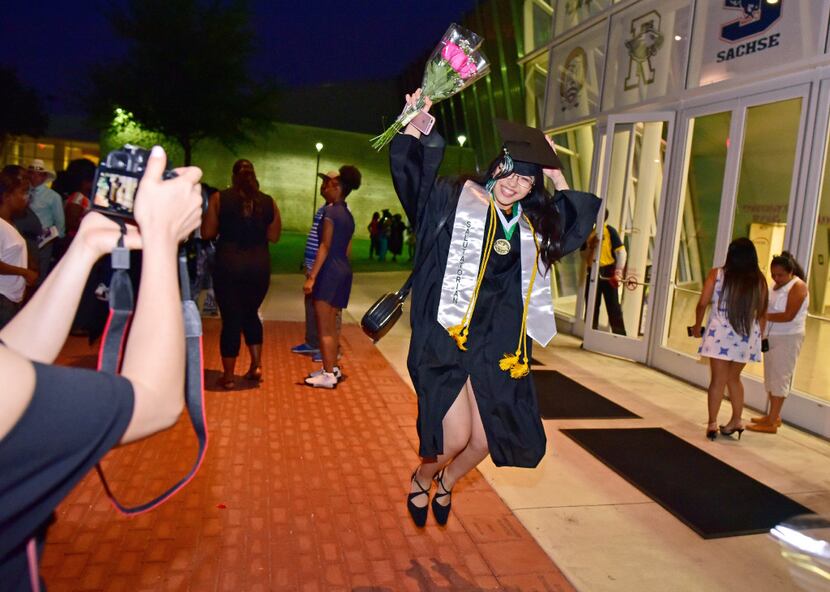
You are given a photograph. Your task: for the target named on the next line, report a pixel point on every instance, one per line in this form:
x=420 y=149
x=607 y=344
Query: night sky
x=52 y=43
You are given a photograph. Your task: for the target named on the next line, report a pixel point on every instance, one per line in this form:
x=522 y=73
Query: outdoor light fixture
x=319 y=146
x=677 y=37
x=462 y=139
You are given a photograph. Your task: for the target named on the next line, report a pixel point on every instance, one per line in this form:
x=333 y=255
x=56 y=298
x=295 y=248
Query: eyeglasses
x=517 y=179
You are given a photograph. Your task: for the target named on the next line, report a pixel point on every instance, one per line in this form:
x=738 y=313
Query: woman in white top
x=786 y=317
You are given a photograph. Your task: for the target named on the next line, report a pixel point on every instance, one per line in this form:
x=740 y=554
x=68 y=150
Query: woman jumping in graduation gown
x=477 y=295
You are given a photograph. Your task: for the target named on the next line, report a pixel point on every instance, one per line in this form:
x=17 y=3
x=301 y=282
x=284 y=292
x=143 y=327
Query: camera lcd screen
x=115 y=192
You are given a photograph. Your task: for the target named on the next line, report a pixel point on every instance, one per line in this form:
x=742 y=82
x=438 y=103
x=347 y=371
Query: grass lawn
x=287 y=256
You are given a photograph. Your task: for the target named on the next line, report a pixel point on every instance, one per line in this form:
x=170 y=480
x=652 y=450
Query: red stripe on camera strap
x=109 y=360
x=111 y=357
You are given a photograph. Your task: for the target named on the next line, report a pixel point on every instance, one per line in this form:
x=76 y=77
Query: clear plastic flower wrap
x=454 y=64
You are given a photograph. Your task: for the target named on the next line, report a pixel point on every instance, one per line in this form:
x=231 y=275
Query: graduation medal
x=502 y=245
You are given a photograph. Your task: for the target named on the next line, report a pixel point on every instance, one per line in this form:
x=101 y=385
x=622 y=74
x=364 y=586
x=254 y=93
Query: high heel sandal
x=727 y=432
x=419 y=514
x=711 y=434
x=440 y=511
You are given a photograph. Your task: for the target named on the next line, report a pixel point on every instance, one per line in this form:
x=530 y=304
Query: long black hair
x=744 y=286
x=788 y=263
x=538 y=205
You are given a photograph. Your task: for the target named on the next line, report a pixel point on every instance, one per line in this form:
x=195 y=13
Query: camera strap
x=121 y=302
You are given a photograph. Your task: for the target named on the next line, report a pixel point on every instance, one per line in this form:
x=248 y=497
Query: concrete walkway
x=304 y=490
x=301 y=489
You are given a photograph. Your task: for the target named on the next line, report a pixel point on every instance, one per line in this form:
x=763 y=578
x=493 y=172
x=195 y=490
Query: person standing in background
x=311 y=345
x=612 y=260
x=384 y=230
x=14 y=273
x=48 y=207
x=374 y=235
x=396 y=230
x=79 y=176
x=27 y=223
x=789 y=300
x=245 y=220
x=329 y=280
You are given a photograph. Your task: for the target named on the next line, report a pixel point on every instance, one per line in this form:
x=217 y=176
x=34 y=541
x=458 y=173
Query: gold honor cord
x=511 y=362
x=517 y=364
x=459 y=332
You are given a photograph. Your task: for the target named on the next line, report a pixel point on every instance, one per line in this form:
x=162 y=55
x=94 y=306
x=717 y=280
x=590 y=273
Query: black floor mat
x=707 y=495
x=562 y=398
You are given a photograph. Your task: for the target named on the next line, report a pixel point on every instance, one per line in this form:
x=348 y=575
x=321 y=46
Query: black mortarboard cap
x=527 y=144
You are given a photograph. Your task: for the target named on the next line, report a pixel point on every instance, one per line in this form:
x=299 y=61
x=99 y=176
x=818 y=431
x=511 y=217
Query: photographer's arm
x=166 y=211
x=39 y=330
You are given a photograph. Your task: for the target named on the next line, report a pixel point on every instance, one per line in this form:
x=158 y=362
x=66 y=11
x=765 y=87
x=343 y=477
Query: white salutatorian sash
x=464 y=259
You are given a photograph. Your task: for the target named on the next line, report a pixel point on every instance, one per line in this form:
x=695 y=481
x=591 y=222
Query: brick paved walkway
x=301 y=490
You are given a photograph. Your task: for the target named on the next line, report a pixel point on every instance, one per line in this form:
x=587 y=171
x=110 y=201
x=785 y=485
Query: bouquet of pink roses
x=455 y=64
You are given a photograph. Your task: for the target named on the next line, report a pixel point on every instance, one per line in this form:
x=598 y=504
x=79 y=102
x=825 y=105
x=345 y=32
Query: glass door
x=738 y=177
x=696 y=204
x=575 y=147
x=622 y=251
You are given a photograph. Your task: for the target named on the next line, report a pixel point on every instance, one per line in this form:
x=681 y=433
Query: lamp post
x=319 y=146
x=462 y=139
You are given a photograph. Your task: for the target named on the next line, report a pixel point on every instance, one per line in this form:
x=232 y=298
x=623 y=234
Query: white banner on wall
x=734 y=37
x=574 y=77
x=647 y=52
x=569 y=13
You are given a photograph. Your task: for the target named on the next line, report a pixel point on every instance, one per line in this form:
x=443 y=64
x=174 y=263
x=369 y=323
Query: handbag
x=387 y=309
x=385 y=312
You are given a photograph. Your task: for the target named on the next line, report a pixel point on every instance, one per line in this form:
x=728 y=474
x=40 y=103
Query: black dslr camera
x=116 y=181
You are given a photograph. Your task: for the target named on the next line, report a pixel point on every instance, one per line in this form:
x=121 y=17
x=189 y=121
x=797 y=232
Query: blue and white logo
x=756 y=17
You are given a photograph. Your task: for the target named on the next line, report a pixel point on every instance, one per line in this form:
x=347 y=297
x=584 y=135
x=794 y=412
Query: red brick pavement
x=301 y=490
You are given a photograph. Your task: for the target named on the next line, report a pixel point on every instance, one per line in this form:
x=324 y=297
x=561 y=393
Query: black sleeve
x=414 y=164
x=578 y=212
x=74 y=418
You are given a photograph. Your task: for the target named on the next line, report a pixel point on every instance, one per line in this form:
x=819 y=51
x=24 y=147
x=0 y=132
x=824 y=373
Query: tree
x=21 y=111
x=185 y=74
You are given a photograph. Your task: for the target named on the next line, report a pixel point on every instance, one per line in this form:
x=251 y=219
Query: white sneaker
x=324 y=380
x=337 y=373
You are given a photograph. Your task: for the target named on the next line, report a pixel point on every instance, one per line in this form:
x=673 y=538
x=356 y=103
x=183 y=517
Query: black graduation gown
x=508 y=407
x=439 y=369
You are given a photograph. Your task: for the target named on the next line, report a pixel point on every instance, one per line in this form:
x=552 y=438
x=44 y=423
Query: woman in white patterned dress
x=737 y=293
